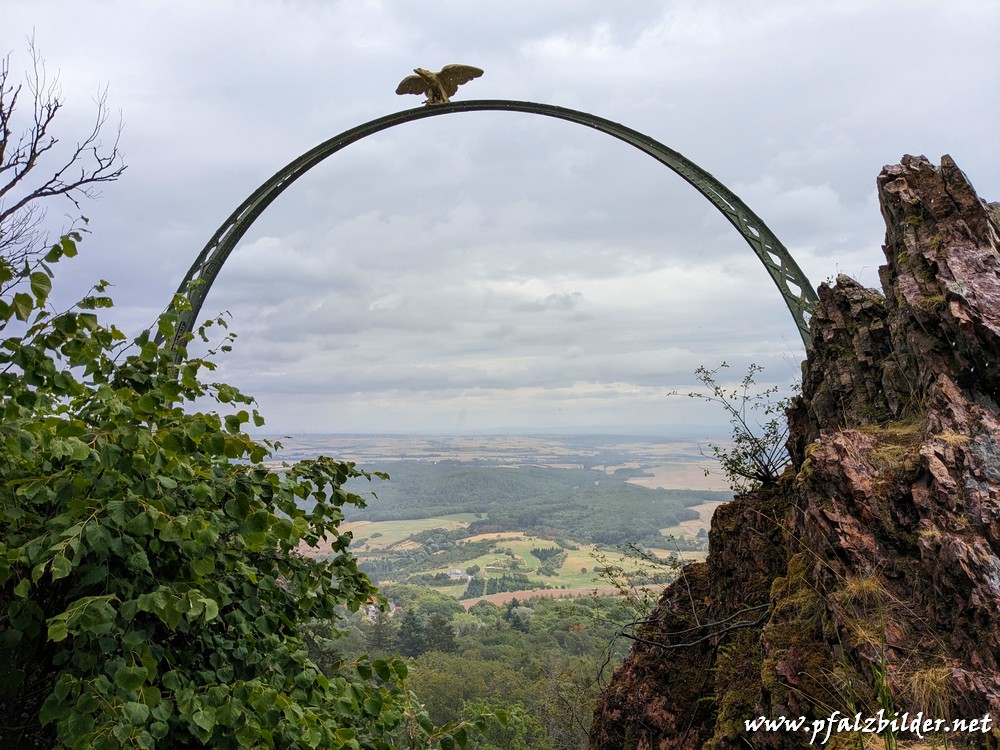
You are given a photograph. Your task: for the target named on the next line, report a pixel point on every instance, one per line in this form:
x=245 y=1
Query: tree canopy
x=152 y=592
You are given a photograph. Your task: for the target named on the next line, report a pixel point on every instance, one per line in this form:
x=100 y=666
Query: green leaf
x=248 y=735
x=53 y=709
x=364 y=670
x=136 y=712
x=172 y=681
x=138 y=562
x=399 y=666
x=135 y=638
x=165 y=327
x=61 y=567
x=23 y=305
x=204 y=718
x=203 y=566
x=58 y=630
x=130 y=678
x=68 y=246
x=79 y=723
x=79 y=450
x=382 y=670
x=41 y=285
x=211 y=610
x=259 y=521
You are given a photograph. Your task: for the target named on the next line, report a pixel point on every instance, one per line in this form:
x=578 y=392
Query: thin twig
x=734 y=626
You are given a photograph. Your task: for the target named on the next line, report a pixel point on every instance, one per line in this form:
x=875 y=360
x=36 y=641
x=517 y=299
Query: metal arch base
x=795 y=288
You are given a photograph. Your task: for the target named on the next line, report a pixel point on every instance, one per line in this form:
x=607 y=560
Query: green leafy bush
x=151 y=589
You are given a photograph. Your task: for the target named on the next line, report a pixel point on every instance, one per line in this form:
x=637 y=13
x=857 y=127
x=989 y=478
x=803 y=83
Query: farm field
x=372 y=535
x=490 y=516
x=509 y=552
x=690 y=528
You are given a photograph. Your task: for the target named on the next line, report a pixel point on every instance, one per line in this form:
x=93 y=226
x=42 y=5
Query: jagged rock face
x=872 y=568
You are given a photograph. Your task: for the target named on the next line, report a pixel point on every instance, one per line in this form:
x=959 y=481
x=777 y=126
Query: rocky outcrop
x=868 y=577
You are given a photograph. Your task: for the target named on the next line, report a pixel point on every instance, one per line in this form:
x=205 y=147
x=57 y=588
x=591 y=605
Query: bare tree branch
x=714 y=634
x=24 y=153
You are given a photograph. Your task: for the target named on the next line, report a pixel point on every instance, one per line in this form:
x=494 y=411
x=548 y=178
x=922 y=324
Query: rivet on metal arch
x=795 y=288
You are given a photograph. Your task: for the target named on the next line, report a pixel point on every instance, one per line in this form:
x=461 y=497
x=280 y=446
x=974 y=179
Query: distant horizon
x=672 y=462
x=678 y=432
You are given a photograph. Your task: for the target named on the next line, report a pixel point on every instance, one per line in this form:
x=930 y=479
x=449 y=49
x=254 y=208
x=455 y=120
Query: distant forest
x=582 y=504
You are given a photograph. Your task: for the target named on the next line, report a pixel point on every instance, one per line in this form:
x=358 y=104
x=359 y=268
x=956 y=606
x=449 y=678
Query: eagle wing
x=412 y=85
x=453 y=76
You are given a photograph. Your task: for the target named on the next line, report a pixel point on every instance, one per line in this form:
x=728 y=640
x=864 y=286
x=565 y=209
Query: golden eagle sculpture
x=438 y=87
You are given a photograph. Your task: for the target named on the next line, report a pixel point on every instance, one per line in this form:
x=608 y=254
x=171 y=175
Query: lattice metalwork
x=795 y=288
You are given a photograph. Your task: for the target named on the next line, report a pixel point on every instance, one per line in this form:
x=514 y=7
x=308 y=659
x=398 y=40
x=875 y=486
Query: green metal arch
x=795 y=288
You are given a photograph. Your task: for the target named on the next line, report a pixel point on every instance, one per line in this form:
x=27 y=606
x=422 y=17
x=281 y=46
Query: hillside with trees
x=539 y=665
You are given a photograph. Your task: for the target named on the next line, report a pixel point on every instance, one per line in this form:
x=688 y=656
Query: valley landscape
x=497 y=517
x=512 y=567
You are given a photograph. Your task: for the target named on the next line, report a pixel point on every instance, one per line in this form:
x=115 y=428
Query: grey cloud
x=560 y=302
x=402 y=283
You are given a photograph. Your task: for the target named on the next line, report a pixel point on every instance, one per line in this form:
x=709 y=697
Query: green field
x=511 y=552
x=372 y=534
x=434 y=521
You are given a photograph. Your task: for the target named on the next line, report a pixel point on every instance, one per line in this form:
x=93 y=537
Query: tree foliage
x=411 y=639
x=440 y=635
x=151 y=589
x=533 y=669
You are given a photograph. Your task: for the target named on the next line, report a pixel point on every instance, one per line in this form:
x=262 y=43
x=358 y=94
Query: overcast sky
x=497 y=271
